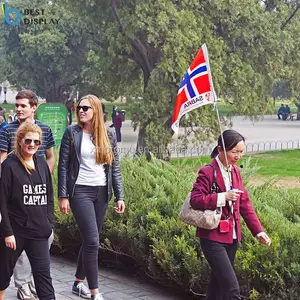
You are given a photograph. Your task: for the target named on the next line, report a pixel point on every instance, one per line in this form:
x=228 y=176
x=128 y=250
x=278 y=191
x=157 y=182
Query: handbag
x=207 y=219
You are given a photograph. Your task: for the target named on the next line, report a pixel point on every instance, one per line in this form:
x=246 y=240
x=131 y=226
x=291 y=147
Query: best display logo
x=6 y=11
x=14 y=16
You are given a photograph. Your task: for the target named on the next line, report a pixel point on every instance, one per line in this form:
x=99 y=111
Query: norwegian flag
x=195 y=90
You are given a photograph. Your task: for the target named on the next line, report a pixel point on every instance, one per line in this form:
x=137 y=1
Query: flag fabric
x=196 y=89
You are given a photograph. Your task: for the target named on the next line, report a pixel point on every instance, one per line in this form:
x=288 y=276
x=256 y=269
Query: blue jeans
x=89 y=205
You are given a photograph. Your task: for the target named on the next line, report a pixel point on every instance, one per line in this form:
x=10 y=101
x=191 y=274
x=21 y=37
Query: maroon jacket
x=201 y=198
x=117 y=121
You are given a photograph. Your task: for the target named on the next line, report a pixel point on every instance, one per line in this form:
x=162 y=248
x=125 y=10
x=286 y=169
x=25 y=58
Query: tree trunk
x=56 y=95
x=141 y=146
x=298 y=112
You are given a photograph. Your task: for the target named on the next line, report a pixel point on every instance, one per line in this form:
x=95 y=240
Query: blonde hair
x=104 y=153
x=21 y=132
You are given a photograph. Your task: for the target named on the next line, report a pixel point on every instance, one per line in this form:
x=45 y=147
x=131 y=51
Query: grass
x=224 y=109
x=283 y=163
x=108 y=109
x=120 y=106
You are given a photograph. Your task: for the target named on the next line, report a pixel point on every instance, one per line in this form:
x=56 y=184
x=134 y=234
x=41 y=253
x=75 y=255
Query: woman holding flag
x=220 y=245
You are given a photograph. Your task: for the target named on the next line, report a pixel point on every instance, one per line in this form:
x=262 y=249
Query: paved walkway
x=113 y=284
x=267 y=133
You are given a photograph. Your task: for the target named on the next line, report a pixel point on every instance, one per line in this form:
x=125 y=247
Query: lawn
x=224 y=109
x=284 y=163
x=120 y=106
x=108 y=109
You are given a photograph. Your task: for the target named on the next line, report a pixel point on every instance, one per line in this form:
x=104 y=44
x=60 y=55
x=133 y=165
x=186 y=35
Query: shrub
x=168 y=251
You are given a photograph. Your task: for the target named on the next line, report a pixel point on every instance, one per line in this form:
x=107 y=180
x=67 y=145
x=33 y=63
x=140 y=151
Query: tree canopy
x=46 y=58
x=157 y=40
x=142 y=49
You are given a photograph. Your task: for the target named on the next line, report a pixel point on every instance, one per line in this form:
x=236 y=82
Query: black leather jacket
x=69 y=162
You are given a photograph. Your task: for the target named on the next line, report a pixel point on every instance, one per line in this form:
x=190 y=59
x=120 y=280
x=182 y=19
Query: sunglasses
x=85 y=108
x=29 y=142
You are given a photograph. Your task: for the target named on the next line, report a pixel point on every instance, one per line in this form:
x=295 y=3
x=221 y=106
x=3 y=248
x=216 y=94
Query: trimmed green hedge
x=168 y=251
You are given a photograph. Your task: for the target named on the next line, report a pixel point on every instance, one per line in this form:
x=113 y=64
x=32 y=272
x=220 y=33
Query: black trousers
x=223 y=284
x=89 y=205
x=39 y=257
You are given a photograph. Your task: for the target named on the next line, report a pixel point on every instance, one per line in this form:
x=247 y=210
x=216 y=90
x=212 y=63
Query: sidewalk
x=267 y=133
x=113 y=284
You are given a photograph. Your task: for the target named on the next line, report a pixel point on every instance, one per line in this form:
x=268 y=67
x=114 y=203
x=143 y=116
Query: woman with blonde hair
x=88 y=170
x=26 y=205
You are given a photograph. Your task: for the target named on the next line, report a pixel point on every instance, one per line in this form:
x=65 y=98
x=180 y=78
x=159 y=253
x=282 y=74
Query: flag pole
x=222 y=138
x=205 y=51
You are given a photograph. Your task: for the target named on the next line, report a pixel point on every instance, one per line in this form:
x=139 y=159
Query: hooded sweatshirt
x=26 y=200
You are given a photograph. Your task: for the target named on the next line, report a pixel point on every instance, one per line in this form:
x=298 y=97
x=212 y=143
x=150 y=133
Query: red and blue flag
x=195 y=90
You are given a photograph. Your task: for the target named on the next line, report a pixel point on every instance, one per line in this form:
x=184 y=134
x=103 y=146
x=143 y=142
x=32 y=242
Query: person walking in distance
x=118 y=124
x=88 y=170
x=26 y=105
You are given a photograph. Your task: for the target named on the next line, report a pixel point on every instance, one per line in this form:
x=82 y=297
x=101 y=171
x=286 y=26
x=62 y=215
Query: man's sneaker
x=32 y=288
x=97 y=297
x=24 y=293
x=81 y=290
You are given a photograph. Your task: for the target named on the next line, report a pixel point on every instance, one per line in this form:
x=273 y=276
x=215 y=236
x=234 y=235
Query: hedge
x=168 y=251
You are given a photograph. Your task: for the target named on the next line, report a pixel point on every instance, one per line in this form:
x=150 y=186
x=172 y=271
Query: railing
x=197 y=151
x=271 y=145
x=250 y=148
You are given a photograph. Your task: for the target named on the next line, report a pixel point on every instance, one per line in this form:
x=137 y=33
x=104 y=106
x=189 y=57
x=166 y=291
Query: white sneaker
x=24 y=293
x=32 y=288
x=97 y=297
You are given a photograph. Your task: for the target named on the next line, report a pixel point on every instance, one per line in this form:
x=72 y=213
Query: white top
x=221 y=196
x=90 y=173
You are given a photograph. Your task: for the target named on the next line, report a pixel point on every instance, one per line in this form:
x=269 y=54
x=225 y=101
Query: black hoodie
x=26 y=200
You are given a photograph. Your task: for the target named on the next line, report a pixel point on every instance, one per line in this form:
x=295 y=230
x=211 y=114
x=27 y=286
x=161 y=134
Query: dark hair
x=231 y=139
x=30 y=95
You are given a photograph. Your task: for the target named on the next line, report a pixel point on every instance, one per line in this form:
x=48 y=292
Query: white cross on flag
x=195 y=90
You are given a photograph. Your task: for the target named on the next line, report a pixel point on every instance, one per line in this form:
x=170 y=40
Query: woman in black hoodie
x=26 y=205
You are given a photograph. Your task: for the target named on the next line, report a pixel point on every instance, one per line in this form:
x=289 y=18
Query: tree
x=46 y=58
x=156 y=40
x=291 y=40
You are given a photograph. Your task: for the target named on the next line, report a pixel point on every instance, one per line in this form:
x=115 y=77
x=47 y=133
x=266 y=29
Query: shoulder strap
x=214 y=187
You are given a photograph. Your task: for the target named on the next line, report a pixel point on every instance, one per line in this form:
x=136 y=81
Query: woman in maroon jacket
x=220 y=245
